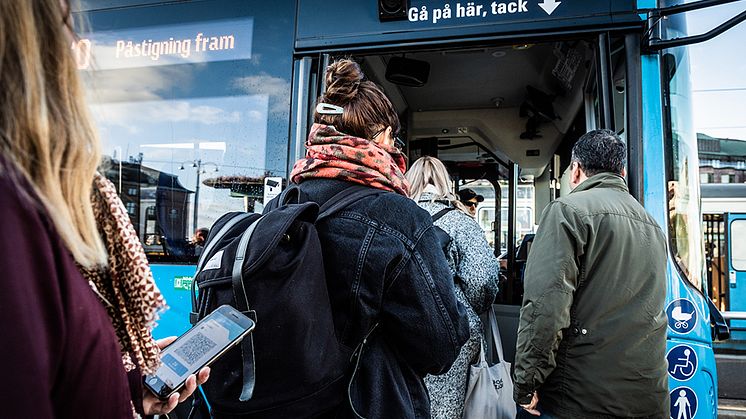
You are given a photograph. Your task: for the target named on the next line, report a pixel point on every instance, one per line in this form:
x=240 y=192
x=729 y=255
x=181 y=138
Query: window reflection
x=190 y=133
x=684 y=216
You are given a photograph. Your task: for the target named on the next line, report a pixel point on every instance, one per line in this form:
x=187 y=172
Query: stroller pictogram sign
x=682 y=315
x=682 y=362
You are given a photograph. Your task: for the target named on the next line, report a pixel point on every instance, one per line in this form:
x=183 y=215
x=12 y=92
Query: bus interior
x=504 y=119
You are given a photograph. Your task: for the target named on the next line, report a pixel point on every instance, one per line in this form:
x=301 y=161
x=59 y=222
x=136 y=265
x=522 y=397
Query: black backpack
x=270 y=267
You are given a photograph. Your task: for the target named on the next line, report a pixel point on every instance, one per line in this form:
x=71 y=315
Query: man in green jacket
x=592 y=334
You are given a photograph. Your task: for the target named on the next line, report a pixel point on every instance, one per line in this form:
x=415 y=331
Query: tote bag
x=489 y=393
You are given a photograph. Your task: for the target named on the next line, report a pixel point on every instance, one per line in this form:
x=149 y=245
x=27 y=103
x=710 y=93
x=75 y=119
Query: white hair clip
x=327 y=109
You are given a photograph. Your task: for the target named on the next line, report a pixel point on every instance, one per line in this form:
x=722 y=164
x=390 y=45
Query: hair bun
x=343 y=79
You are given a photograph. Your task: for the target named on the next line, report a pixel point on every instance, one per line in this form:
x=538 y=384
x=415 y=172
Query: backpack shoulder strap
x=194 y=315
x=242 y=304
x=441 y=213
x=215 y=239
x=344 y=198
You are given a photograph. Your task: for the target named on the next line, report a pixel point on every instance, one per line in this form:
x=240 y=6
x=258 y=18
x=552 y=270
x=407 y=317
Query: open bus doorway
x=503 y=119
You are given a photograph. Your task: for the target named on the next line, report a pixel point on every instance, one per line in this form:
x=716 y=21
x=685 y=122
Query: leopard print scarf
x=126 y=286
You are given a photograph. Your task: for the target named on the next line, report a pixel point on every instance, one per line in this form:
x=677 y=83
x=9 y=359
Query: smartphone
x=210 y=338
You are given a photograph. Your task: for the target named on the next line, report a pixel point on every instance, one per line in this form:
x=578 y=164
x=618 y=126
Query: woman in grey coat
x=475 y=268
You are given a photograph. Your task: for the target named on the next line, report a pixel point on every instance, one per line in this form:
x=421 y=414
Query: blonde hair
x=45 y=129
x=431 y=171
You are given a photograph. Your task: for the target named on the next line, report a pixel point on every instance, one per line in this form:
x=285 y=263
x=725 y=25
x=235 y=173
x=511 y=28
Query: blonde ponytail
x=47 y=131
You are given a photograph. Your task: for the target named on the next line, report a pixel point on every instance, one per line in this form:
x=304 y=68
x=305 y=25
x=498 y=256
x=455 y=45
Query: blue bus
x=204 y=105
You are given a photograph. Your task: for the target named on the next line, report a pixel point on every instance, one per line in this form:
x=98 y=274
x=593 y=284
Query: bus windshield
x=683 y=163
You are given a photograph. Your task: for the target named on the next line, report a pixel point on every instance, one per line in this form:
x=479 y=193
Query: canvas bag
x=489 y=393
x=270 y=267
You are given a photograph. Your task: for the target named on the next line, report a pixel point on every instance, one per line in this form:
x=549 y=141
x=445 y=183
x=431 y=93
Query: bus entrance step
x=731 y=409
x=730 y=376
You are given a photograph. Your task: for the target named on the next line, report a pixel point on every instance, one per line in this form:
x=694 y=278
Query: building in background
x=157 y=203
x=721 y=160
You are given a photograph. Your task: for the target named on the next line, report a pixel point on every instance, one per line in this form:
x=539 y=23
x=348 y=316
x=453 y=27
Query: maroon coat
x=60 y=356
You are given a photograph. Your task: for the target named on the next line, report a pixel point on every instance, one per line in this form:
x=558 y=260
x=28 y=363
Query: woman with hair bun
x=388 y=280
x=473 y=265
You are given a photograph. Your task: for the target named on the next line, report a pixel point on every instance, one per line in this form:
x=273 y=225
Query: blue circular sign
x=683 y=403
x=682 y=362
x=682 y=315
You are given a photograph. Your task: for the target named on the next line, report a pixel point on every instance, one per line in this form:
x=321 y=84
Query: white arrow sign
x=550 y=6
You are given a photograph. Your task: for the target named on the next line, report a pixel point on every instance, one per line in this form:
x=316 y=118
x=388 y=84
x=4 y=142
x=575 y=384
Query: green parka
x=592 y=334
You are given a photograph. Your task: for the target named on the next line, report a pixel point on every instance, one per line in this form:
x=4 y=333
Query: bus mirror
x=669 y=64
x=720 y=329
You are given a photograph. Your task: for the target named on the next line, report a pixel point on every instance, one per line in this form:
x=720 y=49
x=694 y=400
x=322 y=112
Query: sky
x=718 y=71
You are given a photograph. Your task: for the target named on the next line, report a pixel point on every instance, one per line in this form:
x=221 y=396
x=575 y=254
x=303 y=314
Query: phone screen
x=196 y=348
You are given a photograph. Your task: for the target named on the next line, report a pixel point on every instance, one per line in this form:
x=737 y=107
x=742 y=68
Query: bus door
x=671 y=195
x=502 y=116
x=736 y=263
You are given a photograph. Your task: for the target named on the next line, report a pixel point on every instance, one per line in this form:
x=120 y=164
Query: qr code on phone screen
x=193 y=349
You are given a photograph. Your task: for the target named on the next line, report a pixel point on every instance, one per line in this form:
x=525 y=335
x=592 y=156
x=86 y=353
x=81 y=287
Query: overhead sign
x=471 y=9
x=549 y=6
x=358 y=22
x=682 y=316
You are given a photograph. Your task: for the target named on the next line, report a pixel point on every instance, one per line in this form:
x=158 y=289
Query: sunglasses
x=398 y=143
x=471 y=204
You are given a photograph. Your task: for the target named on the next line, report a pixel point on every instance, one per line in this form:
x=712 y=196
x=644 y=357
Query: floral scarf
x=125 y=286
x=334 y=155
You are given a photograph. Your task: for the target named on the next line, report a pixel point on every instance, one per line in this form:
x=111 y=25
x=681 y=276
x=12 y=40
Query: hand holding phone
x=152 y=405
x=198 y=347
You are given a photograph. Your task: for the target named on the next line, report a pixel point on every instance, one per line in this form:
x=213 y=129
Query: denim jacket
x=385 y=265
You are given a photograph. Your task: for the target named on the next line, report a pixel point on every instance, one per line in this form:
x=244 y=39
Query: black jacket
x=385 y=265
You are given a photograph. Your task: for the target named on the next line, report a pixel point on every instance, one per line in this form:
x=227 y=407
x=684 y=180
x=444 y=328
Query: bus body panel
x=697 y=335
x=174 y=282
x=703 y=383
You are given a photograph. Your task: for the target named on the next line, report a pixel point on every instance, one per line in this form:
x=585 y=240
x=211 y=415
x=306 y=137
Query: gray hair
x=600 y=151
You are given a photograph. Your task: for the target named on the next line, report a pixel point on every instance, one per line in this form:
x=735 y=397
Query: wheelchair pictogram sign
x=682 y=362
x=682 y=315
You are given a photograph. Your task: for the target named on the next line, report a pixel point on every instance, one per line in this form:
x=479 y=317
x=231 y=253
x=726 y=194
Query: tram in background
x=724 y=227
x=203 y=107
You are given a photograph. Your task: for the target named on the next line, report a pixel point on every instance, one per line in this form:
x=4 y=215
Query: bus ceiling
x=490 y=105
x=653 y=41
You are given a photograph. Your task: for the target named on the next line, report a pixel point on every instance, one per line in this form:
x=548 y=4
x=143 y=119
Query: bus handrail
x=734 y=315
x=653 y=41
